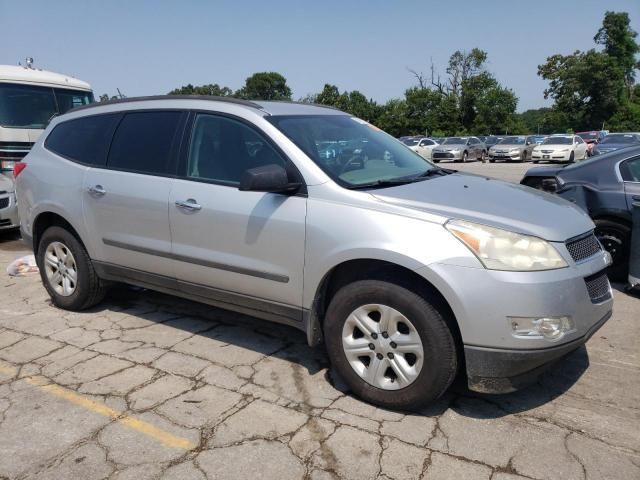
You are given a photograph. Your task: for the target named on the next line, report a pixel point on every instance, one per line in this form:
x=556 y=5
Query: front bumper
x=554 y=156
x=8 y=211
x=484 y=303
x=504 y=156
x=491 y=370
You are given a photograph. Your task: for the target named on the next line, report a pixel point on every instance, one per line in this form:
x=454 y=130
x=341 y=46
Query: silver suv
x=408 y=272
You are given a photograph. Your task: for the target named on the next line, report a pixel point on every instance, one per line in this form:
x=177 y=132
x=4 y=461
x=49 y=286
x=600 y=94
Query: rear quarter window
x=85 y=140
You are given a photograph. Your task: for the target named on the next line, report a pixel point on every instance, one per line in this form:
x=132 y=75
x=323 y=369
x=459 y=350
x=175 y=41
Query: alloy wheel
x=61 y=269
x=382 y=346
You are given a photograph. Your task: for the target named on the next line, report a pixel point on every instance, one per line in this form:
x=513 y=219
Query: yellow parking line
x=165 y=438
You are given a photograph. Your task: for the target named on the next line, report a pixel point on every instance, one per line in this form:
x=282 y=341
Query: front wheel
x=391 y=346
x=67 y=272
x=616 y=239
x=465 y=157
x=572 y=157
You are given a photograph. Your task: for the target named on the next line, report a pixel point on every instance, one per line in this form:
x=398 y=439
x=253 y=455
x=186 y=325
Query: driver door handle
x=97 y=191
x=189 y=205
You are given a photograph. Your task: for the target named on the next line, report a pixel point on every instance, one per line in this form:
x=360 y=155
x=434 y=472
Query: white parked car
x=560 y=148
x=424 y=147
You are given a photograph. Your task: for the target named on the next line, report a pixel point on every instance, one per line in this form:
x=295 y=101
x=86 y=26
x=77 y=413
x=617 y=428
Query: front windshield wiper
x=391 y=182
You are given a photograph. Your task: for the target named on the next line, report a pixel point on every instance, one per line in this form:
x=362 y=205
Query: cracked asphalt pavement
x=148 y=386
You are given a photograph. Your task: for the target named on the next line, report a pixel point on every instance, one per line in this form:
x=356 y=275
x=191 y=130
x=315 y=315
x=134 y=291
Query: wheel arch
x=353 y=270
x=48 y=219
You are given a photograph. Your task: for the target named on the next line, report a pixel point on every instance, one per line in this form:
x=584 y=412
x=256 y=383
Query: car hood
x=492 y=202
x=610 y=147
x=507 y=146
x=6 y=184
x=453 y=146
x=544 y=171
x=554 y=147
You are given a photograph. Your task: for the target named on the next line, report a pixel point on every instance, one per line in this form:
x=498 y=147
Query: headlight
x=563 y=150
x=499 y=249
x=515 y=150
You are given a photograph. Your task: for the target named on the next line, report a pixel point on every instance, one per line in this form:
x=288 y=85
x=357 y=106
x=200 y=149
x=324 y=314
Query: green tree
x=594 y=88
x=265 y=86
x=588 y=86
x=619 y=43
x=213 y=89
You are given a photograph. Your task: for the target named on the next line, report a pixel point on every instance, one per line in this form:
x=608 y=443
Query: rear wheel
x=391 y=346
x=67 y=272
x=615 y=237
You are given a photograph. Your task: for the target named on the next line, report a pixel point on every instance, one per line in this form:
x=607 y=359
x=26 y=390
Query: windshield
x=588 y=135
x=363 y=155
x=28 y=106
x=558 y=141
x=411 y=141
x=620 y=138
x=512 y=141
x=455 y=141
x=491 y=140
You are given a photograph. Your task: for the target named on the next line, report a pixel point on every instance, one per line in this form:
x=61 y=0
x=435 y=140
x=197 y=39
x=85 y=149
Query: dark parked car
x=605 y=187
x=616 y=141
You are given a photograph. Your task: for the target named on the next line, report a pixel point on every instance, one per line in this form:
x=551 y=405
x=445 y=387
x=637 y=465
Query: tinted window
x=68 y=99
x=630 y=170
x=26 y=106
x=84 y=140
x=222 y=149
x=144 y=142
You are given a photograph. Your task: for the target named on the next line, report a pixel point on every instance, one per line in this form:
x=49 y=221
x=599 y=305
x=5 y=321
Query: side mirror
x=269 y=178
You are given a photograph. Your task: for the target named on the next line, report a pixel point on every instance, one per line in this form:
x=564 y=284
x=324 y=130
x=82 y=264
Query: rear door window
x=85 y=140
x=146 y=142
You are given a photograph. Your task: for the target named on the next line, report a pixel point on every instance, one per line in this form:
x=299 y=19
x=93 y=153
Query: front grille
x=4 y=202
x=546 y=151
x=583 y=247
x=598 y=287
x=442 y=155
x=14 y=151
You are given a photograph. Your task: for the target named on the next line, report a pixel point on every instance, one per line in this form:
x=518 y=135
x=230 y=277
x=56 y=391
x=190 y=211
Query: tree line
x=590 y=90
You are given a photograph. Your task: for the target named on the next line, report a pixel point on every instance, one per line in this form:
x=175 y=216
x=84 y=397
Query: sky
x=151 y=47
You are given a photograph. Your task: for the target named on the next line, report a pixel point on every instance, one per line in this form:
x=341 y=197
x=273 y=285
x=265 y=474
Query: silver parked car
x=460 y=149
x=513 y=149
x=405 y=270
x=8 y=208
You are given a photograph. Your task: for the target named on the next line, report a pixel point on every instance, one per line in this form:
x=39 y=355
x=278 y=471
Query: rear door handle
x=189 y=205
x=97 y=191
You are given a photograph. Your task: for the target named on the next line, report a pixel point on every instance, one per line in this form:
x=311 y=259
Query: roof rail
x=238 y=101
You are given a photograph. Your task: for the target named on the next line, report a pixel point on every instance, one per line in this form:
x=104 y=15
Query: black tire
x=523 y=158
x=89 y=289
x=465 y=157
x=492 y=160
x=439 y=347
x=616 y=239
x=572 y=157
x=536 y=161
x=436 y=160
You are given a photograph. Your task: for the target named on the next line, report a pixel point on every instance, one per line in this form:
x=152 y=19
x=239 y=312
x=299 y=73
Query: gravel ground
x=149 y=386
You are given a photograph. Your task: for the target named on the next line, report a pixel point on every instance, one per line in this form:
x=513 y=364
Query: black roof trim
x=238 y=101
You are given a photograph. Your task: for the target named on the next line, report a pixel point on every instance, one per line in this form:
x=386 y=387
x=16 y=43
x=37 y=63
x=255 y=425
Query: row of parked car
x=520 y=148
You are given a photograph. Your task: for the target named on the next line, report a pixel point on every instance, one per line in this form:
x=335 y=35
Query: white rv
x=29 y=99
